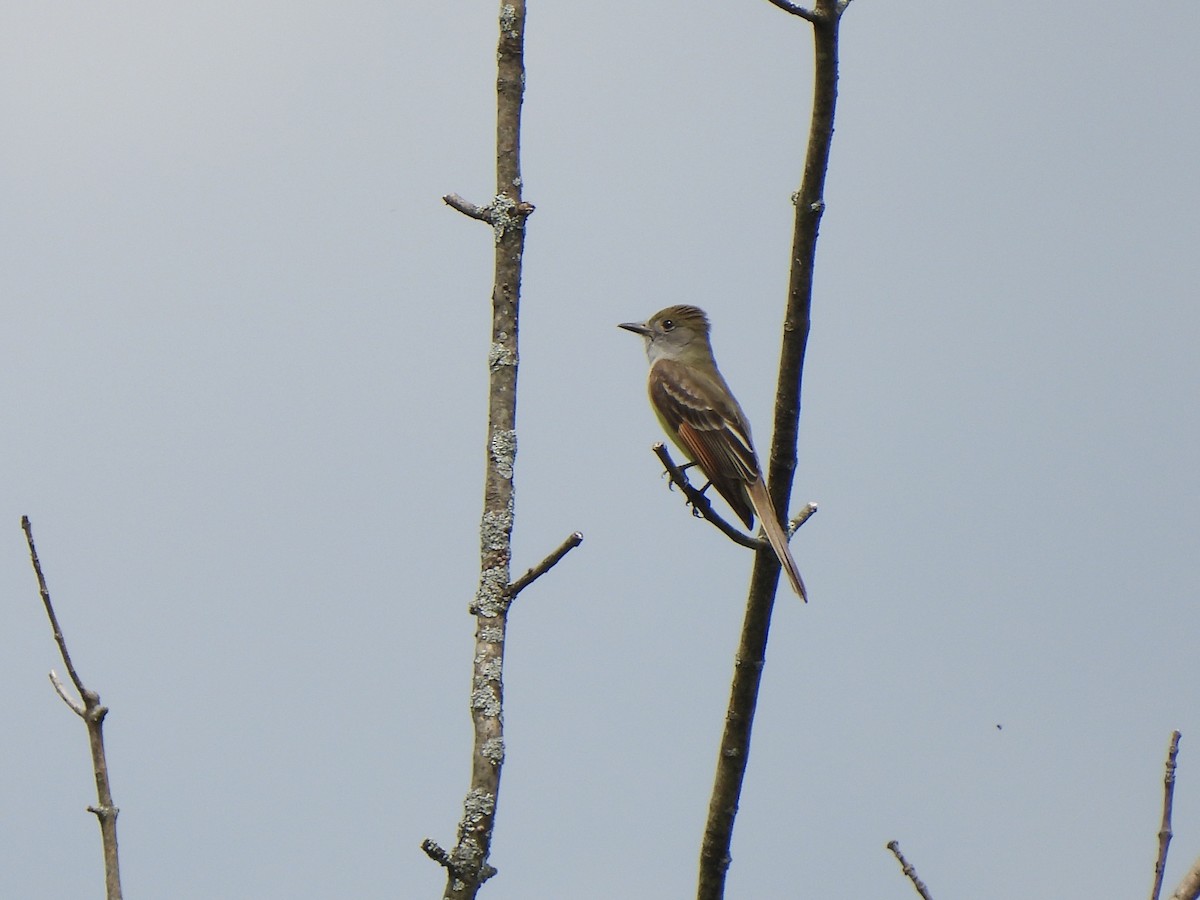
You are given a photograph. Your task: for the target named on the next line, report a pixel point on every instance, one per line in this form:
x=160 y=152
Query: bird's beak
x=635 y=327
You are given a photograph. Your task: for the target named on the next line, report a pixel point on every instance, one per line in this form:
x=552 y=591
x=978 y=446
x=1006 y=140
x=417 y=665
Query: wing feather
x=707 y=424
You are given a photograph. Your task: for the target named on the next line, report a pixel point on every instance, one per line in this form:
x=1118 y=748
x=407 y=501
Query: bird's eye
x=668 y=325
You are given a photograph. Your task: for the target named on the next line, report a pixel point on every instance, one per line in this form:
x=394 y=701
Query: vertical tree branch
x=92 y=712
x=1164 y=829
x=467 y=864
x=810 y=204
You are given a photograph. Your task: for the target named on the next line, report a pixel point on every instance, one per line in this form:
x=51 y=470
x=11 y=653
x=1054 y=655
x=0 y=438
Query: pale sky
x=244 y=376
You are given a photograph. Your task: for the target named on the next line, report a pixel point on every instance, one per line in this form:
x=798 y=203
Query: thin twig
x=532 y=575
x=435 y=852
x=467 y=208
x=61 y=690
x=92 y=712
x=701 y=505
x=1164 y=829
x=803 y=516
x=27 y=526
x=795 y=9
x=909 y=871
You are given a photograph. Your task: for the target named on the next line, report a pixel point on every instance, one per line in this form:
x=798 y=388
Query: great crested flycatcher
x=699 y=413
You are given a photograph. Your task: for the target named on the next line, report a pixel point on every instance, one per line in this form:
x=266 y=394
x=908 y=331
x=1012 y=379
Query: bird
x=701 y=416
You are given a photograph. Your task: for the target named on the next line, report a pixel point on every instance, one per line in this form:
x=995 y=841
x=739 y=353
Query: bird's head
x=673 y=333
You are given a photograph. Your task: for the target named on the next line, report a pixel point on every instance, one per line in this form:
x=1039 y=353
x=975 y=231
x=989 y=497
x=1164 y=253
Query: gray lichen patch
x=495 y=529
x=493 y=751
x=504 y=451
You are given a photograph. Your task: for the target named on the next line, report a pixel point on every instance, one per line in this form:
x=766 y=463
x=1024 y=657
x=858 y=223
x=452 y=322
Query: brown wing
x=704 y=419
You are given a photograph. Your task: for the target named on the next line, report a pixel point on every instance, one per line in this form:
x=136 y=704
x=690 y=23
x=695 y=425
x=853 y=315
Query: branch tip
x=76 y=706
x=1164 y=828
x=573 y=540
x=800 y=518
x=435 y=852
x=795 y=9
x=909 y=871
x=467 y=208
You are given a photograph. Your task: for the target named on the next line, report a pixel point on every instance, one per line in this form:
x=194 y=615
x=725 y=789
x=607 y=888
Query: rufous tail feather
x=761 y=501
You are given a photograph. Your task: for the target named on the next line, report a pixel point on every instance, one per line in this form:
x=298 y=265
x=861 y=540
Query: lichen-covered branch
x=809 y=203
x=92 y=711
x=467 y=866
x=469 y=859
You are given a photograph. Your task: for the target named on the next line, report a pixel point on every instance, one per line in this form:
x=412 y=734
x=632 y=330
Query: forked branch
x=90 y=709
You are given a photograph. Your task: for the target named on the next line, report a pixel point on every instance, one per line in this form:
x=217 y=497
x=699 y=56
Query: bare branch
x=76 y=706
x=909 y=871
x=467 y=208
x=502 y=213
x=701 y=505
x=795 y=9
x=1164 y=829
x=435 y=852
x=734 y=751
x=92 y=712
x=532 y=575
x=803 y=516
x=467 y=863
x=27 y=527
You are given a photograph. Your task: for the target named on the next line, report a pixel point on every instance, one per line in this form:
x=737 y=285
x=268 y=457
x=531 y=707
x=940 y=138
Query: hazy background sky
x=244 y=381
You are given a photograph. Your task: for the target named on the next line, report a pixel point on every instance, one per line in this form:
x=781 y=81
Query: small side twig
x=703 y=507
x=1164 y=829
x=700 y=503
x=803 y=516
x=532 y=575
x=76 y=707
x=502 y=213
x=467 y=208
x=92 y=712
x=795 y=9
x=435 y=852
x=908 y=870
x=27 y=527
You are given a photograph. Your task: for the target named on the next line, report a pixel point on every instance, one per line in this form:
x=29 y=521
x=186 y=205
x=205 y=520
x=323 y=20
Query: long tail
x=775 y=534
